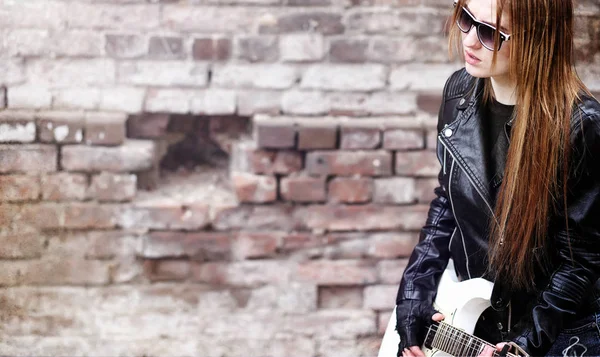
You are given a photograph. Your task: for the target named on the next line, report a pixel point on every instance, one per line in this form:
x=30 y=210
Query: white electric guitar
x=461 y=303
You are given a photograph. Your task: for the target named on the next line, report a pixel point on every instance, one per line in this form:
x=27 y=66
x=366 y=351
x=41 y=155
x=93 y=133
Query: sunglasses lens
x=464 y=21
x=486 y=35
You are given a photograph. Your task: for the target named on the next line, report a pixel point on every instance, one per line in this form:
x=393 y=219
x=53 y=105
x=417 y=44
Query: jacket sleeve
x=430 y=256
x=578 y=251
x=414 y=301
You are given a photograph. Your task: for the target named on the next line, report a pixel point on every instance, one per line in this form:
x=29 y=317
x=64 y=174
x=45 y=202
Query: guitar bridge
x=430 y=336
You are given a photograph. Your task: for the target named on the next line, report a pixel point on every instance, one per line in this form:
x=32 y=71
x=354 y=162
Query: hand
x=415 y=351
x=489 y=351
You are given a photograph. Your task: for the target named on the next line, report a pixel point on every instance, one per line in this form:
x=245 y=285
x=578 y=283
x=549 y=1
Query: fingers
x=438 y=317
x=488 y=351
x=416 y=351
x=412 y=351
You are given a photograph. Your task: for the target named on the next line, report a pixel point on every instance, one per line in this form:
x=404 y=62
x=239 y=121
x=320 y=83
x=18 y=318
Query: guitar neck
x=455 y=342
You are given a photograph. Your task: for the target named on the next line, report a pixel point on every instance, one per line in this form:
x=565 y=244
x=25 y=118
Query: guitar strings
x=450 y=331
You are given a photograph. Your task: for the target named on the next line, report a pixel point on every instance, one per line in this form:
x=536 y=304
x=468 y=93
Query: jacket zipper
x=456 y=218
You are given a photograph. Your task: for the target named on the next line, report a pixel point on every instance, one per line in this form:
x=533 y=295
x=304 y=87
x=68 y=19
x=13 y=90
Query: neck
x=504 y=90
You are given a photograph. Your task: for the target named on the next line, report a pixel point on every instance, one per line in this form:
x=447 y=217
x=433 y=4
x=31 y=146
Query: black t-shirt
x=494 y=121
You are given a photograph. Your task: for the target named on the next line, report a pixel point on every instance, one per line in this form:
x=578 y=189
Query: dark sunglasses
x=485 y=32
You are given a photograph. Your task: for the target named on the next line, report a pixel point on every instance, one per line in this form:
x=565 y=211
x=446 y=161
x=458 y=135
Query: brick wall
x=295 y=249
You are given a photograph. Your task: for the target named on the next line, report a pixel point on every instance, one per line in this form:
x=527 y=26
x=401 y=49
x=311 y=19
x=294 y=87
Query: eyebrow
x=502 y=28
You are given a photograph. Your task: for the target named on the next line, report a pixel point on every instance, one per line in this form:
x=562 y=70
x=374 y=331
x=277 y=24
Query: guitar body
x=461 y=303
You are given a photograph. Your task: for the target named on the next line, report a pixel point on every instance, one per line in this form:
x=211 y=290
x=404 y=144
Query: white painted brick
x=590 y=75
x=214 y=102
x=63 y=73
x=170 y=100
x=380 y=297
x=76 y=98
x=304 y=102
x=108 y=16
x=13 y=71
x=17 y=132
x=258 y=101
x=126 y=99
x=163 y=73
x=27 y=42
x=78 y=43
x=421 y=77
x=29 y=97
x=2 y=97
x=348 y=77
x=217 y=19
x=274 y=76
x=383 y=103
x=32 y=14
x=302 y=47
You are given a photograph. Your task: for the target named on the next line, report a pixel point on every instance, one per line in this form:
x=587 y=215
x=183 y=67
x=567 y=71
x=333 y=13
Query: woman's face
x=478 y=59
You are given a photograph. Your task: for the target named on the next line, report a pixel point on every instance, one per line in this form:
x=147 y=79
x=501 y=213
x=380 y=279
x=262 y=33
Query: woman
x=519 y=195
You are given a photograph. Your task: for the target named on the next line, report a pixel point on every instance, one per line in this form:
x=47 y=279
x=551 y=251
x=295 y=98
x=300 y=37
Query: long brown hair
x=535 y=176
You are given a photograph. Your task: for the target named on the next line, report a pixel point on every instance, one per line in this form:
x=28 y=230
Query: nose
x=470 y=39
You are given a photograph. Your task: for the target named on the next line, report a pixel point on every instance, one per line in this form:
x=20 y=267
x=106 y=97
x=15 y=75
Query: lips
x=471 y=59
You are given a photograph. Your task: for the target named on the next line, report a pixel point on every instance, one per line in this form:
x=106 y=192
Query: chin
x=476 y=72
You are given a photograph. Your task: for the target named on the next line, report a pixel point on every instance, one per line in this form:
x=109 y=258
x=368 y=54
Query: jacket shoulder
x=458 y=84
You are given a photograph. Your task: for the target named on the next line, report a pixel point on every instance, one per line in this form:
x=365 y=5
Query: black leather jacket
x=458 y=223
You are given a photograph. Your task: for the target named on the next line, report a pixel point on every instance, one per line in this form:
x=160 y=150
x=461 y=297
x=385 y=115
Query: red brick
x=61 y=127
x=247 y=158
x=105 y=128
x=314 y=134
x=392 y=245
x=147 y=125
x=398 y=139
x=350 y=190
x=301 y=241
x=340 y=297
x=347 y=163
x=274 y=134
x=349 y=50
x=211 y=49
x=203 y=246
x=108 y=244
x=89 y=216
x=303 y=189
x=133 y=155
x=254 y=217
x=361 y=217
x=254 y=188
x=66 y=271
x=249 y=245
x=399 y=190
x=14 y=188
x=424 y=189
x=429 y=102
x=30 y=159
x=417 y=163
x=162 y=270
x=64 y=186
x=113 y=187
x=431 y=139
x=360 y=137
x=21 y=246
x=72 y=216
x=340 y=272
x=380 y=297
x=164 y=214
